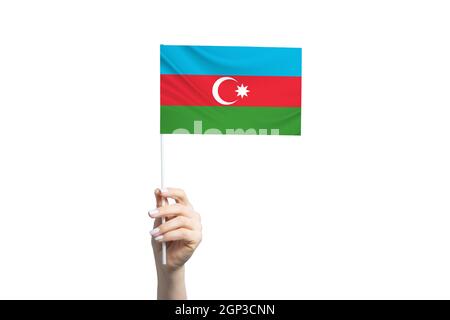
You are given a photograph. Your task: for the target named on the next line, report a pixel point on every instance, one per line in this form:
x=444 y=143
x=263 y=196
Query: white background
x=357 y=207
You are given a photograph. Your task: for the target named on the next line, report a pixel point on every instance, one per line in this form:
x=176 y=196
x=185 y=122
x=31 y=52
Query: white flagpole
x=163 y=202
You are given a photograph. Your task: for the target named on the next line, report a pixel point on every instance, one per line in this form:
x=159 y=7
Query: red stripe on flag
x=195 y=90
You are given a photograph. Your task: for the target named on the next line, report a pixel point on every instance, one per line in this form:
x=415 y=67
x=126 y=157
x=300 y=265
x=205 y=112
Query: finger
x=160 y=201
x=172 y=210
x=158 y=197
x=157 y=223
x=181 y=234
x=176 y=223
x=177 y=194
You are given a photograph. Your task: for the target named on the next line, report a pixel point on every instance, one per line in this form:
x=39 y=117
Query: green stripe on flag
x=229 y=120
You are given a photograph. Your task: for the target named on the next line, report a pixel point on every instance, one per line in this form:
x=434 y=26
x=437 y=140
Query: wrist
x=166 y=273
x=171 y=283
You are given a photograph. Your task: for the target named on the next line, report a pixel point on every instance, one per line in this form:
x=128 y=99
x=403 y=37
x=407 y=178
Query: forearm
x=171 y=284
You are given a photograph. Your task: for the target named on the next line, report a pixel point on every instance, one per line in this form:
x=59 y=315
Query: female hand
x=182 y=233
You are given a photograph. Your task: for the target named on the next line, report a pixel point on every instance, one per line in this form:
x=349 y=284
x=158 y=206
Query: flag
x=230 y=90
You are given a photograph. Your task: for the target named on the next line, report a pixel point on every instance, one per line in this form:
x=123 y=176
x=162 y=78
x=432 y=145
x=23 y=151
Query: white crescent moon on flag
x=215 y=91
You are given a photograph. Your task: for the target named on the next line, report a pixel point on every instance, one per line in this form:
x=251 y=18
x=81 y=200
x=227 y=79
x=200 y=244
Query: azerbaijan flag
x=230 y=90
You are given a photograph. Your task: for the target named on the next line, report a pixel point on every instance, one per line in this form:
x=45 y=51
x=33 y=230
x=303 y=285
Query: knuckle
x=198 y=237
x=184 y=221
x=168 y=236
x=166 y=227
x=196 y=226
x=184 y=234
x=185 y=210
x=180 y=220
x=162 y=210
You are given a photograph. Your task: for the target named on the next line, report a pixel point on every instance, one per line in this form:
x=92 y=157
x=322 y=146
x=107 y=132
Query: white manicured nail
x=154 y=231
x=164 y=190
x=152 y=213
x=158 y=238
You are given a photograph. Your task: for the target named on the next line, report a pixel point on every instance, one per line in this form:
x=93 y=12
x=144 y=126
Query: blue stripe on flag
x=238 y=61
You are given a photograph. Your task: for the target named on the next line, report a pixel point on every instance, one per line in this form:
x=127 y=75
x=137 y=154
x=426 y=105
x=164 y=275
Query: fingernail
x=153 y=213
x=158 y=238
x=154 y=231
x=164 y=190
